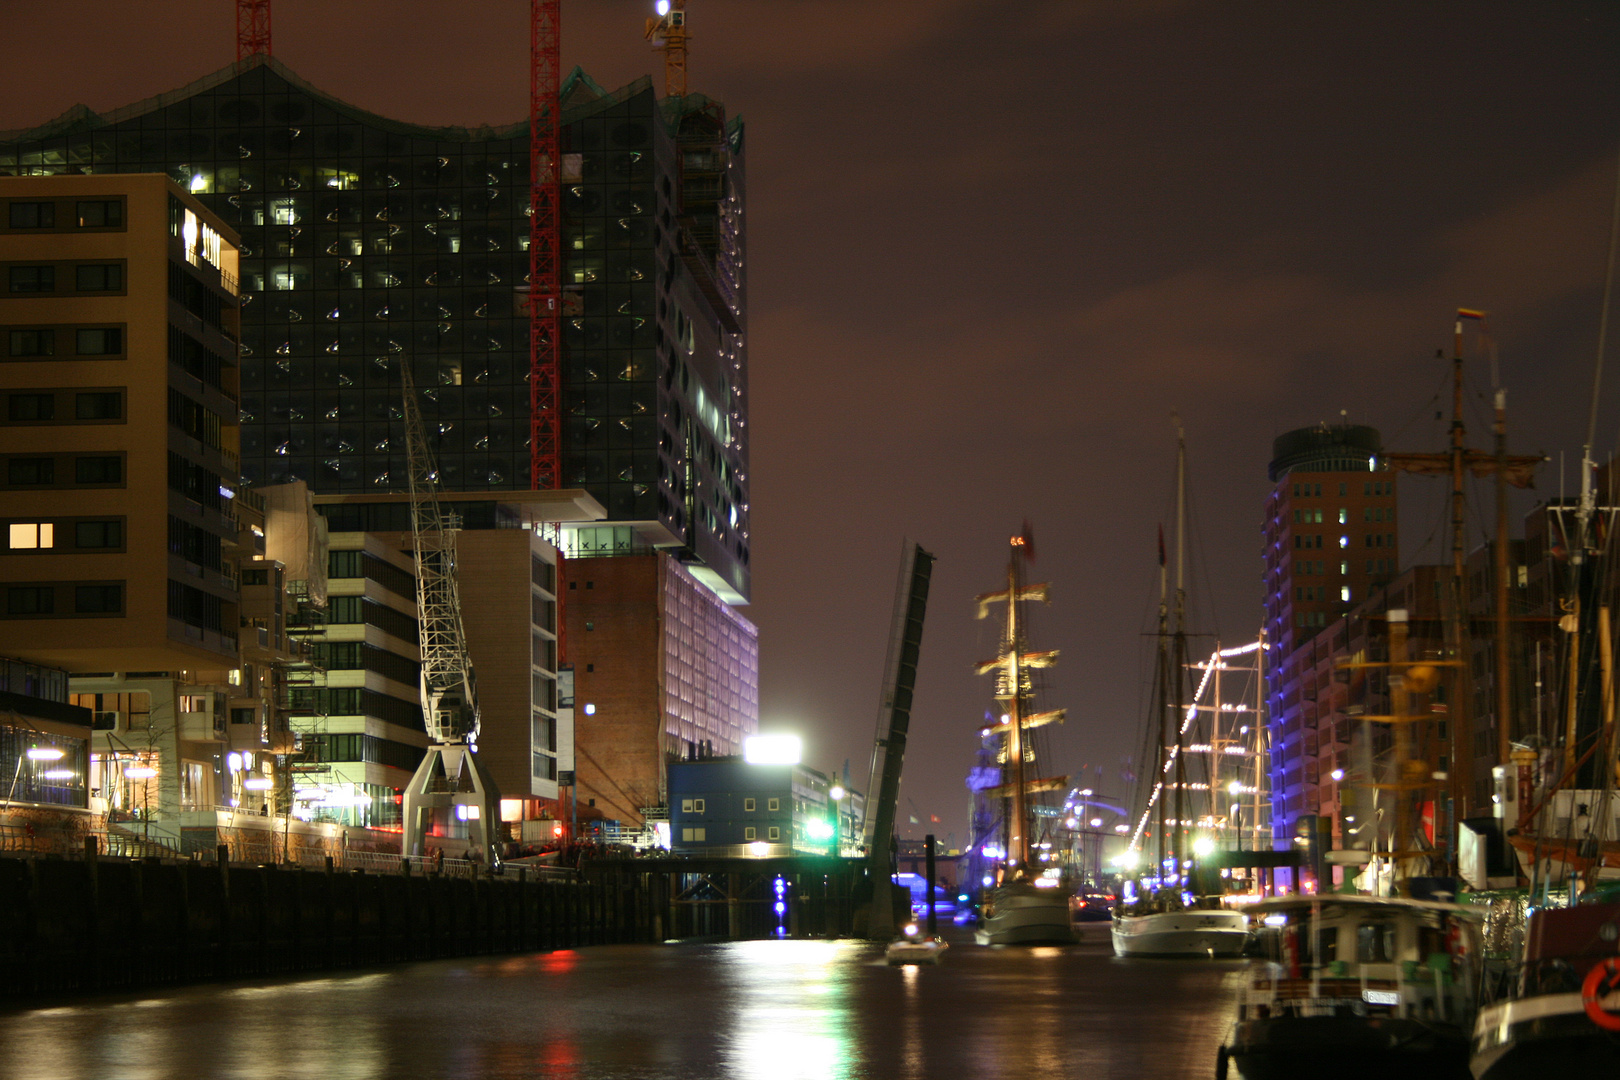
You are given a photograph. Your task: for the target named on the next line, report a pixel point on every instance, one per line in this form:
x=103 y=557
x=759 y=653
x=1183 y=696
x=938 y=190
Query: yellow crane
x=667 y=31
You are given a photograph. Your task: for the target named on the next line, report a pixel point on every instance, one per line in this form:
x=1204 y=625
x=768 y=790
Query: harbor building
x=367 y=242
x=1330 y=540
x=731 y=806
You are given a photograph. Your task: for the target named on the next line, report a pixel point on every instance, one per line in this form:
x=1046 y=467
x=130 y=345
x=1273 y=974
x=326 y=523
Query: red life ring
x=1600 y=981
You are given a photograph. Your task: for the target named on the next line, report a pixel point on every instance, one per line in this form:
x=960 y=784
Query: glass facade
x=368 y=243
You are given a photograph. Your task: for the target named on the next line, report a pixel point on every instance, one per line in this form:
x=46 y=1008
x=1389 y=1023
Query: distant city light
x=836 y=792
x=662 y=7
x=1096 y=822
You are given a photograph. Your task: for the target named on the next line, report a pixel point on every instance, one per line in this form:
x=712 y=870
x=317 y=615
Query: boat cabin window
x=1375 y=943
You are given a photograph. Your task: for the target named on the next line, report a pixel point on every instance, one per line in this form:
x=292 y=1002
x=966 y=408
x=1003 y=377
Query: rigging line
x=1603 y=319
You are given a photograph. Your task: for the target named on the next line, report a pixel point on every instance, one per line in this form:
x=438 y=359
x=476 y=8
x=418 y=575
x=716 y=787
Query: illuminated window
x=1344 y=593
x=1344 y=568
x=100 y=214
x=1344 y=515
x=29 y=534
x=1344 y=541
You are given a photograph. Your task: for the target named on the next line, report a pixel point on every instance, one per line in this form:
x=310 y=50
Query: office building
x=729 y=806
x=367 y=240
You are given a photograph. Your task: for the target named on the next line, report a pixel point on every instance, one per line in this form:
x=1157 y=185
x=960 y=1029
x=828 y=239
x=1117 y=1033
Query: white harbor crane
x=450 y=779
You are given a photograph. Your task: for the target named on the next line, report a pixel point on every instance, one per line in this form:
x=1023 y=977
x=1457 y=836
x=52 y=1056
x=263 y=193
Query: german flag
x=1469 y=313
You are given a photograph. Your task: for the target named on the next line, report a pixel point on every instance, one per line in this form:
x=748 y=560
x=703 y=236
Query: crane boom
x=450 y=777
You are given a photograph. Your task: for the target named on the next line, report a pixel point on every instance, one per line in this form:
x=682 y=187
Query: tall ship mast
x=1028 y=905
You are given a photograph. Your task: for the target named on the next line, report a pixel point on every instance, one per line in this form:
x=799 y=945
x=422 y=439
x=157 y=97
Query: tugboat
x=1562 y=1015
x=1028 y=905
x=1358 y=986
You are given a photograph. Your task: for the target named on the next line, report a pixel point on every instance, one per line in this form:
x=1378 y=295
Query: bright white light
x=662 y=7
x=44 y=753
x=773 y=749
x=1122 y=828
x=1096 y=822
x=257 y=783
x=57 y=774
x=910 y=929
x=1070 y=823
x=1129 y=859
x=1203 y=846
x=817 y=829
x=1087 y=792
x=1275 y=920
x=1235 y=787
x=1337 y=774
x=836 y=792
x=199 y=182
x=988 y=881
x=590 y=709
x=233 y=761
x=140 y=772
x=759 y=849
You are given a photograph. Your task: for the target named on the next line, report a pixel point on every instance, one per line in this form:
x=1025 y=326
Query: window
x=99 y=277
x=39 y=470
x=748 y=806
x=26 y=279
x=1344 y=515
x=773 y=833
x=98 y=405
x=31 y=343
x=1344 y=489
x=31 y=407
x=1344 y=593
x=774 y=805
x=101 y=469
x=100 y=214
x=749 y=832
x=31 y=534
x=1344 y=568
x=1344 y=541
x=689 y=835
x=98 y=599
x=30 y=600
x=686 y=806
x=697 y=806
x=98 y=534
x=33 y=215
x=99 y=341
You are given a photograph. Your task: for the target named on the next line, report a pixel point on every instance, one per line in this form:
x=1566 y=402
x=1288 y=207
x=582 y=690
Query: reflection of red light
x=559 y=963
x=559 y=1053
x=556 y=830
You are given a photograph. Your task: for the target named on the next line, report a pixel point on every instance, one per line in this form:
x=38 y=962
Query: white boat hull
x=1181 y=933
x=1026 y=916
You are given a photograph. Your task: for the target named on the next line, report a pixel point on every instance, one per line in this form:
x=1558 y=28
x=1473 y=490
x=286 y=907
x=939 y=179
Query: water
x=757 y=1010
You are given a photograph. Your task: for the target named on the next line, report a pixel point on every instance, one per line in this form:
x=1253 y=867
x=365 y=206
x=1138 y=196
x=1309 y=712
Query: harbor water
x=748 y=1010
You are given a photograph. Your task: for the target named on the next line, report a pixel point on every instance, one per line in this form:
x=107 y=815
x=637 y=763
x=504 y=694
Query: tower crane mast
x=667 y=31
x=252 y=28
x=450 y=776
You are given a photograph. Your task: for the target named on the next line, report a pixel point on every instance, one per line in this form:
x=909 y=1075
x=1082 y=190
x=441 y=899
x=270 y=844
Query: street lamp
x=835 y=795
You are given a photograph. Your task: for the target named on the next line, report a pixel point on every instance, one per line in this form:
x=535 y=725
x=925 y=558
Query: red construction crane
x=545 y=247
x=252 y=28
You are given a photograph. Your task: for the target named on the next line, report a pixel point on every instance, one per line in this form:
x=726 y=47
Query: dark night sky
x=993 y=243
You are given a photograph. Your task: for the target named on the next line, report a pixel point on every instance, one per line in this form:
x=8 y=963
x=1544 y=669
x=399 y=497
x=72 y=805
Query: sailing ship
x=1028 y=904
x=1162 y=915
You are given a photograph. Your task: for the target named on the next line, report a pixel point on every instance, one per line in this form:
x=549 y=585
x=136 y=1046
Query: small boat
x=1359 y=986
x=912 y=948
x=1562 y=1014
x=1165 y=927
x=1029 y=905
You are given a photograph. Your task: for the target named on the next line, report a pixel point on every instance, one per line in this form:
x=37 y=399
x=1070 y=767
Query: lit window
x=28 y=534
x=1344 y=594
x=686 y=806
x=1344 y=515
x=1344 y=541
x=1344 y=568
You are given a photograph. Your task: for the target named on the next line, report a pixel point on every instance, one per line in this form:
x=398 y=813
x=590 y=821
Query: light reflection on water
x=763 y=1010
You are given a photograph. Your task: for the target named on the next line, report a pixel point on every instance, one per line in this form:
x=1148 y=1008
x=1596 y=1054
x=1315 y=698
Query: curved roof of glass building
x=1326 y=448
